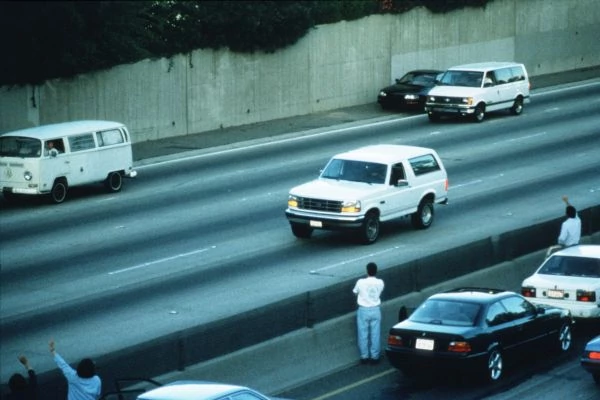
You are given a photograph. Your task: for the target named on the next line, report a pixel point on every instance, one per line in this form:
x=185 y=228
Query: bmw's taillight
x=589 y=296
x=528 y=291
x=395 y=340
x=459 y=347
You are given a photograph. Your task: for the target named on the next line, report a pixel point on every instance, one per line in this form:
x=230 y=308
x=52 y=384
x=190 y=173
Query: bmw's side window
x=518 y=307
x=496 y=314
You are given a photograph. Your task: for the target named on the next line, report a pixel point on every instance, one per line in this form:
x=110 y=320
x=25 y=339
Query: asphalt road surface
x=203 y=236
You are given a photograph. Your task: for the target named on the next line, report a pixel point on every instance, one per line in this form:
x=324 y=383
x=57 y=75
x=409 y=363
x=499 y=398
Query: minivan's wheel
x=370 y=228
x=479 y=114
x=433 y=117
x=301 y=231
x=564 y=337
x=517 y=107
x=494 y=365
x=59 y=191
x=423 y=218
x=114 y=182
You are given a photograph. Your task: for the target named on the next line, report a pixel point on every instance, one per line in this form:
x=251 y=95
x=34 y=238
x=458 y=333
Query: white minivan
x=474 y=89
x=49 y=159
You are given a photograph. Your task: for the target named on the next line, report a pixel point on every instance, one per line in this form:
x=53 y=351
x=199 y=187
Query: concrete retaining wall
x=269 y=343
x=334 y=66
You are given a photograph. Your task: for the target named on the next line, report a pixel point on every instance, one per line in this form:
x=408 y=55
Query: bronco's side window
x=424 y=164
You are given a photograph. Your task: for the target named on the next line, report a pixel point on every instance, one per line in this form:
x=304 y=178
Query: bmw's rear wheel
x=301 y=231
x=564 y=337
x=370 y=228
x=495 y=365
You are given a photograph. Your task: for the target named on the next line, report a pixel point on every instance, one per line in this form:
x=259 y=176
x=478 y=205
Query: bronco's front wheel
x=369 y=230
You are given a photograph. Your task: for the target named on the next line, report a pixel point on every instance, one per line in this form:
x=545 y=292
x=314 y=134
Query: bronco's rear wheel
x=423 y=218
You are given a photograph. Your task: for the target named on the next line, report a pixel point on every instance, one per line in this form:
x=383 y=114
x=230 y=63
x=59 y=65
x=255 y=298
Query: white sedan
x=197 y=390
x=569 y=279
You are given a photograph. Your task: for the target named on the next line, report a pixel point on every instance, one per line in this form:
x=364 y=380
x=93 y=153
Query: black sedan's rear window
x=446 y=312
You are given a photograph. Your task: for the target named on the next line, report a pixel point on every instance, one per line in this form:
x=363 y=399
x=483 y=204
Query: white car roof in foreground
x=191 y=390
x=384 y=153
x=582 y=250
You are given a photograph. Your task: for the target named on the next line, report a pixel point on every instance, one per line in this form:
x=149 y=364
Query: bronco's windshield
x=23 y=147
x=355 y=171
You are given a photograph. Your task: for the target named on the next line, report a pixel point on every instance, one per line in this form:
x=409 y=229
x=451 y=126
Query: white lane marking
x=272 y=142
x=553 y=109
x=475 y=182
x=316 y=271
x=161 y=260
x=520 y=138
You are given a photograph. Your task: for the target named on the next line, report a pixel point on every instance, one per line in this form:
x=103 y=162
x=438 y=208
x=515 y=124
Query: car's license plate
x=424 y=344
x=555 y=294
x=316 y=224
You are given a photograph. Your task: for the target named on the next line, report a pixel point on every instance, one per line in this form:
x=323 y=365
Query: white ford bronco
x=361 y=188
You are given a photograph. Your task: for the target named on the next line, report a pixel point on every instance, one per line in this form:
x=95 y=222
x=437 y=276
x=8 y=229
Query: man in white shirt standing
x=368 y=317
x=570 y=230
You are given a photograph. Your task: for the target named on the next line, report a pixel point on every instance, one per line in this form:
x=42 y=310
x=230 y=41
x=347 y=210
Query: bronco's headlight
x=27 y=175
x=468 y=101
x=351 y=206
x=292 y=201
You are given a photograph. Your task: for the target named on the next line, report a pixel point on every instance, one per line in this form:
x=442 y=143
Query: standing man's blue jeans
x=368 y=321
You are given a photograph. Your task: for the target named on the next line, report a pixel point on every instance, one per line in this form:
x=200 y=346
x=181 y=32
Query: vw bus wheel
x=114 y=182
x=59 y=191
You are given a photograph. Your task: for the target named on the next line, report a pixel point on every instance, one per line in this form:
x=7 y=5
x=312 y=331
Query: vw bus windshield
x=23 y=147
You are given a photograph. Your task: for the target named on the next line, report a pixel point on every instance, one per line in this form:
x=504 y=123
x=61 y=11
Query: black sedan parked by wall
x=590 y=360
x=475 y=329
x=410 y=91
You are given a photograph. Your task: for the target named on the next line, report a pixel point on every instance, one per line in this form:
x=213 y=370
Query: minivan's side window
x=517 y=74
x=107 y=138
x=82 y=142
x=503 y=75
x=424 y=164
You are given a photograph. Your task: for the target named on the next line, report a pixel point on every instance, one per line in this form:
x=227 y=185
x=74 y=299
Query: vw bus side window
x=82 y=142
x=23 y=147
x=107 y=138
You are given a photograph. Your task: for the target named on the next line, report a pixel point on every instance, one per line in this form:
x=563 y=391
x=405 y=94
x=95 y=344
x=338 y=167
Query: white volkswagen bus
x=49 y=159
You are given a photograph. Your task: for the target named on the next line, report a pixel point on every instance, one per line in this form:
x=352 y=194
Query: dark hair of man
x=571 y=212
x=86 y=368
x=371 y=269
